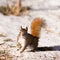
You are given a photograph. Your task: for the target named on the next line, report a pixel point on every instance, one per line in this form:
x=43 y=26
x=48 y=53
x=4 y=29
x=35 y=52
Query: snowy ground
x=49 y=10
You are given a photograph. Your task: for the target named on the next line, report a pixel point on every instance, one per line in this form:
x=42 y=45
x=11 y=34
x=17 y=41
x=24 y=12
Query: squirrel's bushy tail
x=36 y=26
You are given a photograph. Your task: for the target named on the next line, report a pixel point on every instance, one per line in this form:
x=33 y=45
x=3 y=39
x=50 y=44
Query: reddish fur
x=36 y=26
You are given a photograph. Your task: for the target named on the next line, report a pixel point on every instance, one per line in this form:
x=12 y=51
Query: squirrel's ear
x=27 y=28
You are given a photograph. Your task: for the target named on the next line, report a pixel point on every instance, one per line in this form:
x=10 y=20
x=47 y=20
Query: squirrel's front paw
x=19 y=45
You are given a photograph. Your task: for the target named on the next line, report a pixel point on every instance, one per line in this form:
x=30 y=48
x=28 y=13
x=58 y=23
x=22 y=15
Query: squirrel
x=25 y=39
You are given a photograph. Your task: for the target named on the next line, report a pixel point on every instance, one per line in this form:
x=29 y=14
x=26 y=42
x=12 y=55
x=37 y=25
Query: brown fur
x=36 y=26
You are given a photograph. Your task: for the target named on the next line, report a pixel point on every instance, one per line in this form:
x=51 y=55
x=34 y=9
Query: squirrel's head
x=23 y=30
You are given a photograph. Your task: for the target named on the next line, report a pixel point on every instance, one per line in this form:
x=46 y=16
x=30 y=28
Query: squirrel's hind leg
x=23 y=48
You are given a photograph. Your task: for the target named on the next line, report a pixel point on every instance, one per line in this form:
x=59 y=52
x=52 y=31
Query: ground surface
x=49 y=10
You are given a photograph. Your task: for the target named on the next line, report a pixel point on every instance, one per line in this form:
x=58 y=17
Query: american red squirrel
x=25 y=39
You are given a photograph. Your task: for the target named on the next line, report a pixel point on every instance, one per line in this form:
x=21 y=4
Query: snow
x=49 y=10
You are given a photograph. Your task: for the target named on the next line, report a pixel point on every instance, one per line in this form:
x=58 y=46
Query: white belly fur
x=21 y=40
